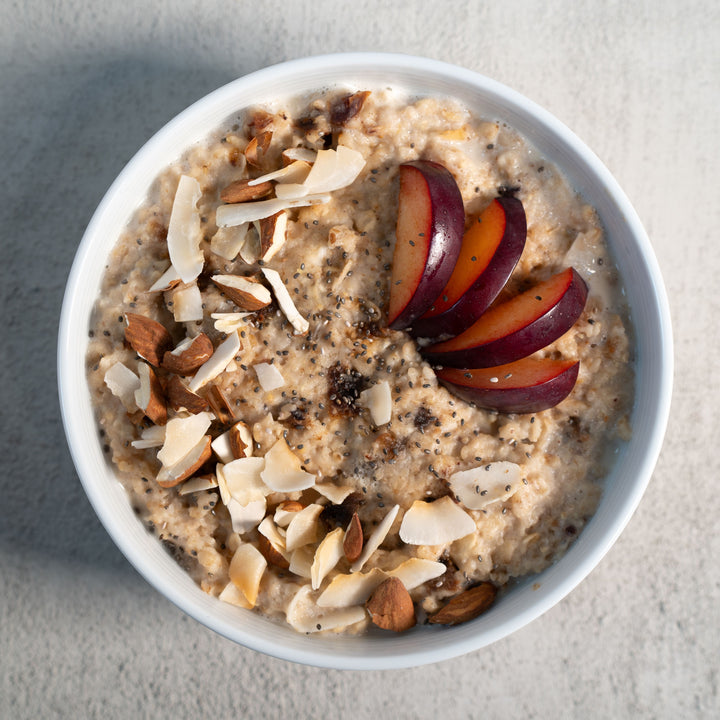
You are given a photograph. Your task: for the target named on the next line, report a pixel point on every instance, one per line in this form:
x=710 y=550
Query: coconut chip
x=378 y=400
x=480 y=486
x=122 y=383
x=227 y=242
x=233 y=596
x=150 y=437
x=224 y=353
x=182 y=434
x=229 y=322
x=187 y=303
x=198 y=484
x=246 y=517
x=168 y=280
x=305 y=616
x=416 y=571
x=353 y=589
x=239 y=213
x=327 y=556
x=246 y=570
x=269 y=377
x=334 y=493
x=184 y=231
x=303 y=528
x=435 y=523
x=283 y=471
x=376 y=538
x=286 y=303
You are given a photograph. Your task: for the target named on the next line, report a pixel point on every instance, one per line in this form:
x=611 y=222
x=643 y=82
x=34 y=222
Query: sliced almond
x=327 y=556
x=353 y=540
x=181 y=436
x=257 y=148
x=286 y=303
x=147 y=337
x=391 y=606
x=435 y=523
x=273 y=231
x=466 y=606
x=376 y=538
x=189 y=355
x=247 y=293
x=271 y=543
x=123 y=383
x=187 y=466
x=184 y=230
x=483 y=485
x=221 y=358
x=180 y=397
x=246 y=570
x=150 y=437
x=220 y=405
x=149 y=396
x=283 y=471
x=243 y=191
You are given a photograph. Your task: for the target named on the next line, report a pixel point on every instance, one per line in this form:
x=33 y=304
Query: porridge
x=294 y=452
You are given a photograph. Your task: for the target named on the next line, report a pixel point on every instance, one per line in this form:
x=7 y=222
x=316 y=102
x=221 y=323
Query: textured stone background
x=83 y=86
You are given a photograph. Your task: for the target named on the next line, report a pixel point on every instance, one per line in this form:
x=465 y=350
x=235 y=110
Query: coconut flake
x=182 y=434
x=166 y=281
x=376 y=538
x=353 y=589
x=233 y=596
x=283 y=471
x=299 y=153
x=187 y=303
x=334 y=169
x=286 y=303
x=221 y=358
x=242 y=478
x=246 y=570
x=239 y=213
x=184 y=232
x=227 y=242
x=304 y=615
x=303 y=528
x=480 y=486
x=416 y=571
x=269 y=377
x=435 y=523
x=198 y=484
x=246 y=517
x=173 y=474
x=229 y=322
x=150 y=437
x=327 y=556
x=378 y=400
x=301 y=560
x=295 y=172
x=334 y=493
x=123 y=383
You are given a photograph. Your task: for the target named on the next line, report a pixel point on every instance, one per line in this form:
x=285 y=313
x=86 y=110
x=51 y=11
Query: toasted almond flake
x=182 y=434
x=286 y=303
x=187 y=466
x=283 y=471
x=246 y=570
x=272 y=553
x=239 y=213
x=180 y=397
x=303 y=528
x=189 y=355
x=246 y=292
x=229 y=322
x=273 y=231
x=243 y=481
x=246 y=190
x=147 y=337
x=246 y=517
x=198 y=484
x=294 y=172
x=353 y=589
x=376 y=538
x=378 y=400
x=168 y=280
x=285 y=512
x=301 y=560
x=122 y=383
x=150 y=437
x=272 y=532
x=233 y=596
x=327 y=556
x=415 y=571
x=435 y=523
x=187 y=303
x=304 y=615
x=223 y=355
x=334 y=493
x=480 y=486
x=149 y=396
x=184 y=232
x=269 y=377
x=227 y=242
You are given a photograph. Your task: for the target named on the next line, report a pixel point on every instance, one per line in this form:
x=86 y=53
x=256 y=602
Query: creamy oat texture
x=335 y=265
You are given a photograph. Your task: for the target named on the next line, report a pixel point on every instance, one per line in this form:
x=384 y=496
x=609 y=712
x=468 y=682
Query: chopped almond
x=353 y=541
x=147 y=337
x=220 y=405
x=180 y=397
x=242 y=191
x=246 y=292
x=187 y=357
x=149 y=396
x=257 y=148
x=391 y=606
x=273 y=231
x=185 y=468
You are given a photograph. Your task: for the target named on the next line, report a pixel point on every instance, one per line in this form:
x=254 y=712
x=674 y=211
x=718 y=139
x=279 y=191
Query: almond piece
x=241 y=191
x=353 y=541
x=246 y=292
x=239 y=438
x=188 y=466
x=149 y=396
x=181 y=397
x=220 y=405
x=466 y=606
x=257 y=148
x=273 y=231
x=190 y=357
x=391 y=606
x=271 y=553
x=147 y=337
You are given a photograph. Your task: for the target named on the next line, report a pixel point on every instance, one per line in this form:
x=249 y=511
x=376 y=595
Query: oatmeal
x=293 y=452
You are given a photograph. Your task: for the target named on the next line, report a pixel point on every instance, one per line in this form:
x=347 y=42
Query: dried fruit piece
x=353 y=541
x=147 y=337
x=241 y=191
x=189 y=355
x=391 y=606
x=347 y=107
x=466 y=606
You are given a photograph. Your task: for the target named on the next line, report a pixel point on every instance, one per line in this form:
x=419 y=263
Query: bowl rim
x=529 y=602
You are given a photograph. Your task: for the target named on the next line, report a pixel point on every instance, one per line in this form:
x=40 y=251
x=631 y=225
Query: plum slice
x=491 y=248
x=516 y=328
x=525 y=386
x=429 y=232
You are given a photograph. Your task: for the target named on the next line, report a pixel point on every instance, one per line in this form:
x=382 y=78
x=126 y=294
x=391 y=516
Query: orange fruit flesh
x=511 y=316
x=480 y=243
x=519 y=374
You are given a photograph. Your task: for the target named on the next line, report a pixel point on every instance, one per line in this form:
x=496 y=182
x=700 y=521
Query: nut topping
x=391 y=606
x=466 y=606
x=353 y=541
x=147 y=337
x=241 y=191
x=190 y=357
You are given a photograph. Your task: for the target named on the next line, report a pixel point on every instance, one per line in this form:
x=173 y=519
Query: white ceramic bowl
x=623 y=488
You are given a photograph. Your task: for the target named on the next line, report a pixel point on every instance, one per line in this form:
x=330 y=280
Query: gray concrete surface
x=83 y=85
